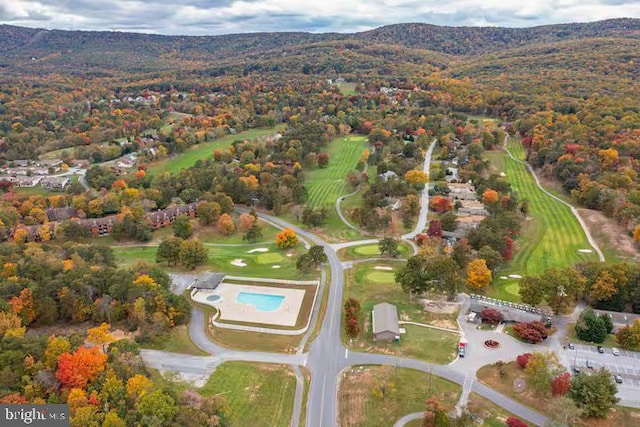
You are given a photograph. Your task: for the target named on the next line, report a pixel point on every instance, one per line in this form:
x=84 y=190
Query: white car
x=615 y=351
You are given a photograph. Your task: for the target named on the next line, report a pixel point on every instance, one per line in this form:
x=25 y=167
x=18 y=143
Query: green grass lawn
x=257 y=395
x=347 y=88
x=370 y=287
x=327 y=184
x=213 y=236
x=551 y=237
x=371 y=251
x=258 y=264
x=202 y=151
x=359 y=407
x=177 y=340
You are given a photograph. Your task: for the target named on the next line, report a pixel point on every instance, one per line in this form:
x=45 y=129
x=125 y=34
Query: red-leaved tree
x=561 y=384
x=77 y=369
x=435 y=228
x=523 y=359
x=532 y=332
x=491 y=315
x=515 y=422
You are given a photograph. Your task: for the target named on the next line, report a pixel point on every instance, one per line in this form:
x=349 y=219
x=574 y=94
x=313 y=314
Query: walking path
x=327 y=357
x=575 y=213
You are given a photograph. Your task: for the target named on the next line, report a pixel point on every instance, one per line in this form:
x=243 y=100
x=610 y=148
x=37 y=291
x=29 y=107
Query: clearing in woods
x=551 y=235
x=259 y=395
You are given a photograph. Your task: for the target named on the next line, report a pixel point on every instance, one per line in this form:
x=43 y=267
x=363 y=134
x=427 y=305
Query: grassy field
x=371 y=251
x=358 y=406
x=213 y=236
x=202 y=151
x=257 y=395
x=551 y=235
x=327 y=184
x=370 y=287
x=347 y=88
x=257 y=264
x=176 y=341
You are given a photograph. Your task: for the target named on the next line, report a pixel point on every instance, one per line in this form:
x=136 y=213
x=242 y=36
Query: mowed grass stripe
x=553 y=234
x=326 y=185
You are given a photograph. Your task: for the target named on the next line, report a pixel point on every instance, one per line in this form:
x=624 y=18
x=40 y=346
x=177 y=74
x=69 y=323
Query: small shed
x=385 y=322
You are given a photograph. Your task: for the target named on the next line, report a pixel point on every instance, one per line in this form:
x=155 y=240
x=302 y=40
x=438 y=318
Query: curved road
x=327 y=357
x=424 y=199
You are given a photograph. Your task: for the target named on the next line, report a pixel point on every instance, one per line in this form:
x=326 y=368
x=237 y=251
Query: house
x=63 y=214
x=25 y=181
x=451 y=174
x=388 y=175
x=393 y=202
x=462 y=191
x=125 y=163
x=469 y=222
x=472 y=207
x=99 y=226
x=20 y=163
x=385 y=322
x=49 y=163
x=55 y=183
x=164 y=218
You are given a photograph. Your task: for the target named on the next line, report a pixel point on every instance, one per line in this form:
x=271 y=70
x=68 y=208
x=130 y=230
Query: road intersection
x=327 y=357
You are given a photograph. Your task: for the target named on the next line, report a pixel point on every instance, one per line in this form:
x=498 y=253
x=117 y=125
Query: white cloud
x=233 y=16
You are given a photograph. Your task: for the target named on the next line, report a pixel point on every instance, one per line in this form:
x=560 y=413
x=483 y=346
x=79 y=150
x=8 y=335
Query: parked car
x=617 y=378
x=576 y=369
x=600 y=349
x=615 y=351
x=571 y=346
x=589 y=364
x=462 y=347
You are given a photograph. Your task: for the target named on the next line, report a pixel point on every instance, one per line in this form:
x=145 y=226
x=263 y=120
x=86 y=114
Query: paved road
x=424 y=199
x=327 y=357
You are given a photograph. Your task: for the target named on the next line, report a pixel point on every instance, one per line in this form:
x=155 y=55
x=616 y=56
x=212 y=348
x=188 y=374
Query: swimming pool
x=262 y=302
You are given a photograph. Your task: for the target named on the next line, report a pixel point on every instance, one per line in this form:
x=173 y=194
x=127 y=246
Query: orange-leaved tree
x=79 y=368
x=478 y=274
x=489 y=196
x=286 y=238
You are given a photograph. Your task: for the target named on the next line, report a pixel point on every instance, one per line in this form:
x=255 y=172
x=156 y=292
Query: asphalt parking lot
x=627 y=365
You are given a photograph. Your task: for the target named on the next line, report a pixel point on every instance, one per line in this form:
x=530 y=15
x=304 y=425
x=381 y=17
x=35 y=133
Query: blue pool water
x=213 y=298
x=262 y=302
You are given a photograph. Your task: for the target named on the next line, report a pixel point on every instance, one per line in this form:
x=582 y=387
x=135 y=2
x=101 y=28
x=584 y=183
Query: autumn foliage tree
x=22 y=305
x=490 y=196
x=532 y=332
x=515 y=422
x=523 y=359
x=77 y=369
x=416 y=177
x=286 y=239
x=245 y=222
x=561 y=384
x=100 y=335
x=491 y=315
x=351 y=314
x=440 y=204
x=478 y=274
x=435 y=228
x=225 y=224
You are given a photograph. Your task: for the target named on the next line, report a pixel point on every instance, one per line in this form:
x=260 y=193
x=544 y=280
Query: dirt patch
x=603 y=229
x=441 y=307
x=444 y=323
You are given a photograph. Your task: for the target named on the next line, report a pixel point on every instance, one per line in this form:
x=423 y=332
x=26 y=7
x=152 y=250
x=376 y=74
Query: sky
x=211 y=17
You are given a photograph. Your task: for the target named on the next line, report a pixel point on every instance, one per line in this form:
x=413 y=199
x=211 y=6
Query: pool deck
x=231 y=310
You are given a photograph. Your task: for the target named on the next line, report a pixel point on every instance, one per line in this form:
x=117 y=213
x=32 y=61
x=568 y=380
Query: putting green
x=381 y=276
x=367 y=250
x=269 y=258
x=513 y=288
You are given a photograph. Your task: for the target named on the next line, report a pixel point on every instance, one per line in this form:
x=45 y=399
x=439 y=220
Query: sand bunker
x=289 y=254
x=585 y=251
x=276 y=266
x=515 y=276
x=504 y=277
x=382 y=267
x=258 y=250
x=503 y=174
x=238 y=262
